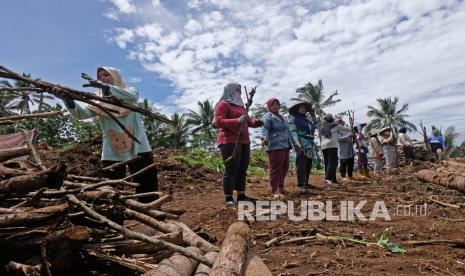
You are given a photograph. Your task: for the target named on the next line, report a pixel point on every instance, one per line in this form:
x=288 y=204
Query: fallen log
x=254 y=265
x=189 y=237
x=455 y=165
x=6 y=172
x=450 y=181
x=32 y=216
x=203 y=270
x=7 y=154
x=136 y=235
x=51 y=178
x=176 y=265
x=233 y=253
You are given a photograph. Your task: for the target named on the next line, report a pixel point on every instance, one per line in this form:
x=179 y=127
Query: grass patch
x=212 y=160
x=200 y=157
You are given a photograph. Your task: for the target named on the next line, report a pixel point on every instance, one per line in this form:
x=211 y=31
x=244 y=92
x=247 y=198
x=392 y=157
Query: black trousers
x=409 y=154
x=234 y=175
x=330 y=160
x=303 y=166
x=148 y=180
x=346 y=166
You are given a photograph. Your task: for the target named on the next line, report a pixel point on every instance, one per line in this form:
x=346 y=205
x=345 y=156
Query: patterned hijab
x=230 y=94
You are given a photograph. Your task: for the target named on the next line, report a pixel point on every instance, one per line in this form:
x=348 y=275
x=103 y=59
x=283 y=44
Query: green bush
x=198 y=156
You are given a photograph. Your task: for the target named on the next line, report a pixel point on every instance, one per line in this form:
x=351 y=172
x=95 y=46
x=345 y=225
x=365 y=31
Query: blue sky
x=179 y=52
x=57 y=40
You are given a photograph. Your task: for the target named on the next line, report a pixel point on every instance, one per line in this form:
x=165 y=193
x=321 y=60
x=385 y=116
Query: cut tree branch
x=136 y=235
x=30 y=116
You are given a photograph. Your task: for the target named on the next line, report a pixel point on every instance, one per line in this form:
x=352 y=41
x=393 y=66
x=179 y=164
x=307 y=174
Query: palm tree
x=22 y=100
x=450 y=135
x=6 y=100
x=178 y=132
x=388 y=115
x=156 y=130
x=203 y=120
x=315 y=95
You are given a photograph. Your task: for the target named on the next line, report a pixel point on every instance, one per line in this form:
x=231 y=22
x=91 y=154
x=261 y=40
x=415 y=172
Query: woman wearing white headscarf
x=117 y=145
x=230 y=116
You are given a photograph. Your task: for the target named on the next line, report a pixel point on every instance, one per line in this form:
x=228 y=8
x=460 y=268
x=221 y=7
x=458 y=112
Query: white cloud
x=364 y=49
x=124 y=6
x=135 y=79
x=122 y=37
x=111 y=14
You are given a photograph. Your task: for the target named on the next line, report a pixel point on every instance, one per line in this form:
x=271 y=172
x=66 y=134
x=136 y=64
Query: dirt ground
x=199 y=192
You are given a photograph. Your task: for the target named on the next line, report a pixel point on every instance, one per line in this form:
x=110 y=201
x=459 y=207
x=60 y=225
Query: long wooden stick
x=141 y=171
x=136 y=235
x=30 y=116
x=21 y=89
x=351 y=124
x=60 y=193
x=86 y=97
x=114 y=166
x=80 y=95
x=431 y=198
x=60 y=92
x=450 y=242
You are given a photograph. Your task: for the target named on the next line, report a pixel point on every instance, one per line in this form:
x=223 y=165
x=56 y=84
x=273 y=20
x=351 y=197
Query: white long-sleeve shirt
x=404 y=139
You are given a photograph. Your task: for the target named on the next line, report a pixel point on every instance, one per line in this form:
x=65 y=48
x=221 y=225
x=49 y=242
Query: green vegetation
x=383 y=242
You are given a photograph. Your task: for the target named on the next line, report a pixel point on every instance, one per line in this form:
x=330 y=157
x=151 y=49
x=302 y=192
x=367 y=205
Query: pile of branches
x=53 y=222
x=420 y=149
x=49 y=218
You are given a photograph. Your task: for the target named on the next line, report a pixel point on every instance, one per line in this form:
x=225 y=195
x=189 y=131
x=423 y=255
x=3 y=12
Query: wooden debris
x=136 y=235
x=254 y=265
x=52 y=178
x=22 y=269
x=7 y=154
x=176 y=265
x=449 y=180
x=203 y=270
x=458 y=243
x=30 y=116
x=233 y=252
x=443 y=203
